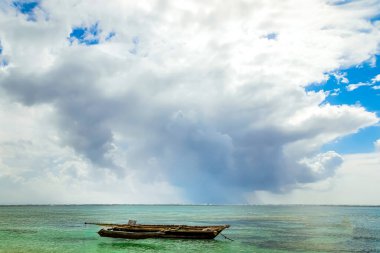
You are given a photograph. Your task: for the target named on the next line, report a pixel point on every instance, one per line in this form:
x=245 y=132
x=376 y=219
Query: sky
x=195 y=102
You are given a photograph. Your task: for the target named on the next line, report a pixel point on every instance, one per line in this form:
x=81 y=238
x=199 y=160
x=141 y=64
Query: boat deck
x=143 y=231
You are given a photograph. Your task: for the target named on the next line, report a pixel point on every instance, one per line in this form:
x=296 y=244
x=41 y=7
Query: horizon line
x=177 y=204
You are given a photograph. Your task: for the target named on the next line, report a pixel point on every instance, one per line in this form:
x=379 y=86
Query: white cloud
x=36 y=169
x=321 y=164
x=334 y=92
x=377 y=145
x=355 y=183
x=341 y=77
x=376 y=79
x=354 y=86
x=205 y=105
x=66 y=189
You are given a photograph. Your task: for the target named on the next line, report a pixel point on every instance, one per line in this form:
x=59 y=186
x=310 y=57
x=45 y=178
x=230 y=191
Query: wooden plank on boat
x=143 y=231
x=128 y=235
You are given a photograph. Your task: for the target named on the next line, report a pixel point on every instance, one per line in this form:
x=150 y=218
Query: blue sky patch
x=89 y=35
x=360 y=142
x=354 y=86
x=375 y=18
x=27 y=8
x=86 y=35
x=339 y=2
x=3 y=59
x=3 y=62
x=110 y=36
x=271 y=36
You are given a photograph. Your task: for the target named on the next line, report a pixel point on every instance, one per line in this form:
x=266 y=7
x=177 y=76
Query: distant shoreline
x=253 y=205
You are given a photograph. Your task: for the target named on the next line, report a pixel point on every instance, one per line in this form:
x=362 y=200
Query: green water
x=253 y=228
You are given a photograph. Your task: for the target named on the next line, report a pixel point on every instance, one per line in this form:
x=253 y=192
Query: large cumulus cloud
x=208 y=97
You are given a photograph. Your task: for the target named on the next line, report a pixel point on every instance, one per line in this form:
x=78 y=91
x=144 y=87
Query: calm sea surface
x=253 y=228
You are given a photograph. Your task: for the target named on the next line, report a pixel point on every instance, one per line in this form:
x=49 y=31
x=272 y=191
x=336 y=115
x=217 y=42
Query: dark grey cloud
x=81 y=110
x=213 y=158
x=218 y=167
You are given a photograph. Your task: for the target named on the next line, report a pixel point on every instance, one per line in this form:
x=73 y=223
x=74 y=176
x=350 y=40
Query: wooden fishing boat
x=140 y=231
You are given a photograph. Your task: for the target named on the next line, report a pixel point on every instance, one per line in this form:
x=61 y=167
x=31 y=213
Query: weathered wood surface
x=142 y=231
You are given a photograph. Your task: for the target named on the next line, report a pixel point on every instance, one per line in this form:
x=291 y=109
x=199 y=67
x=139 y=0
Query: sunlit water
x=253 y=228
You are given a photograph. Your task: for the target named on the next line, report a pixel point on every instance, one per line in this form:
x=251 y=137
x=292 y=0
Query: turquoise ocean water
x=253 y=228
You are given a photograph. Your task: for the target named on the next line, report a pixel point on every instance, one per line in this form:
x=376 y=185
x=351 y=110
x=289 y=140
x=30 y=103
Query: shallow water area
x=253 y=228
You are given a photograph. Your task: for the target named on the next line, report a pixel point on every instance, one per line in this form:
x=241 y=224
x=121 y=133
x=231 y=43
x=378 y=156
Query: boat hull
x=162 y=231
x=128 y=235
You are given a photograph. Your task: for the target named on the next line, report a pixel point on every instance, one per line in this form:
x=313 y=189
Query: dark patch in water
x=129 y=245
x=18 y=231
x=73 y=239
x=366 y=234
